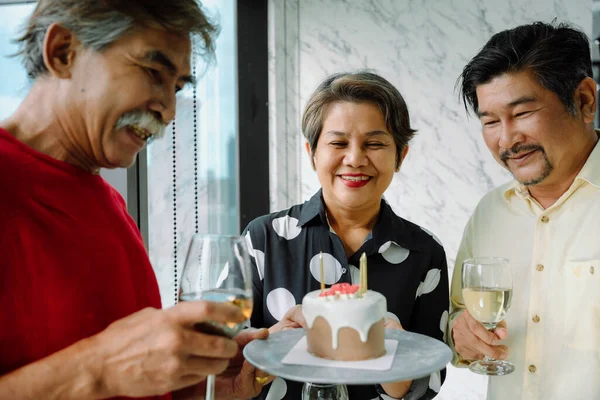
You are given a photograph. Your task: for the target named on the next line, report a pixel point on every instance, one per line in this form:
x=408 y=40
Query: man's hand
x=472 y=341
x=239 y=380
x=157 y=351
x=291 y=320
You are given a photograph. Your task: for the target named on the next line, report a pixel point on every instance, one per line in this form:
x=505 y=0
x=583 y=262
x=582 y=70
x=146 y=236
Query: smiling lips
x=140 y=132
x=355 y=180
x=521 y=158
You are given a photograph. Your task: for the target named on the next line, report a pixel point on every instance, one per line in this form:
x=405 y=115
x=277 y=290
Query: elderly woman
x=357 y=130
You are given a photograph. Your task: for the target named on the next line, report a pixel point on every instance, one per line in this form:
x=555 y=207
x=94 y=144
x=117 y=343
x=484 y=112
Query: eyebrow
x=512 y=104
x=161 y=58
x=368 y=134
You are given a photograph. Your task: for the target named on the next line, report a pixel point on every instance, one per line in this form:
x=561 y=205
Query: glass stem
x=486 y=359
x=210 y=387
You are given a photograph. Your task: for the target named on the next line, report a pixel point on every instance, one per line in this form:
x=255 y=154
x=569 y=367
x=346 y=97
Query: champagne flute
x=316 y=391
x=217 y=268
x=487 y=289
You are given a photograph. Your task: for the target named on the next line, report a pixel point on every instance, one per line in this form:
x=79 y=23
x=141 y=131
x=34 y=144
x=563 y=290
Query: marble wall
x=421 y=46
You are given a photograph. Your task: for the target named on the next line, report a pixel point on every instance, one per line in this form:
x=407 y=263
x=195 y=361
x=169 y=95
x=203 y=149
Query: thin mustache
x=144 y=120
x=505 y=155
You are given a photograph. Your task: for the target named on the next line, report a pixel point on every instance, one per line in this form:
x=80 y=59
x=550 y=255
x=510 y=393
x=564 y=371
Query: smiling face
x=355 y=157
x=530 y=131
x=125 y=94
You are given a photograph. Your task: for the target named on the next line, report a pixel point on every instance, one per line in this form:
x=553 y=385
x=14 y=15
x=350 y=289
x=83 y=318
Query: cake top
x=342 y=306
x=345 y=293
x=340 y=289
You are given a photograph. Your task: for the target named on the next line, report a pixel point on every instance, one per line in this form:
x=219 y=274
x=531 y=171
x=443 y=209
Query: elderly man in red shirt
x=80 y=304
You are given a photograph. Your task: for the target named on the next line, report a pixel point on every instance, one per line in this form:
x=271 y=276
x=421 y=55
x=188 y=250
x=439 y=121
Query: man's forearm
x=72 y=373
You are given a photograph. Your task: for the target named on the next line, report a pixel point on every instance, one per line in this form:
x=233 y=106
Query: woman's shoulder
x=288 y=217
x=421 y=236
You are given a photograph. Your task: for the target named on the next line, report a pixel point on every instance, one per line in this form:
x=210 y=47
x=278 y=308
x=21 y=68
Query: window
x=14 y=84
x=192 y=171
x=209 y=174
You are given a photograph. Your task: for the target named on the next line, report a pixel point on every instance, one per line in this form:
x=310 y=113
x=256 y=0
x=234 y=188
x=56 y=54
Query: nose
x=355 y=156
x=509 y=135
x=164 y=105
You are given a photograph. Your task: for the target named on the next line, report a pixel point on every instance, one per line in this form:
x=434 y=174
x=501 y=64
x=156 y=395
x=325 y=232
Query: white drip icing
x=358 y=313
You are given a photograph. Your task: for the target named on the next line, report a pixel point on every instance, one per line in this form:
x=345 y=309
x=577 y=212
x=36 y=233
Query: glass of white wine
x=487 y=288
x=217 y=268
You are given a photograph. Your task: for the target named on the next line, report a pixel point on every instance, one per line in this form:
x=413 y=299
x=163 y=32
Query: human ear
x=402 y=157
x=585 y=99
x=59 y=51
x=310 y=155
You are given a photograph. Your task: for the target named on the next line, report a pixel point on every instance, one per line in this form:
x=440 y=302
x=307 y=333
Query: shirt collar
x=517 y=189
x=389 y=227
x=313 y=208
x=590 y=173
x=591 y=169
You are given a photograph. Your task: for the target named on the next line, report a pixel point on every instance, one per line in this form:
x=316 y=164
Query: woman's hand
x=395 y=389
x=393 y=324
x=291 y=320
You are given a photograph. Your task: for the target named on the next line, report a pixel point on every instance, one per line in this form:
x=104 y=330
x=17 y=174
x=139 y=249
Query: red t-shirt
x=72 y=260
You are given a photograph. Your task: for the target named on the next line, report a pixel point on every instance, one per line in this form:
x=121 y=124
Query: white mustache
x=143 y=120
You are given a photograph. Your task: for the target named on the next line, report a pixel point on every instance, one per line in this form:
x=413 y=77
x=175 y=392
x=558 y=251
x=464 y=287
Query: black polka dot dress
x=405 y=263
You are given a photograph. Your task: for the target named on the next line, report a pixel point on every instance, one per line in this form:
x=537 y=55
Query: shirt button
x=539 y=267
x=545 y=219
x=532 y=368
x=536 y=319
x=592 y=270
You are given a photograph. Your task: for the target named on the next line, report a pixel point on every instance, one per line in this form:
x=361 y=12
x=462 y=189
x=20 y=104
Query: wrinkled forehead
x=509 y=90
x=153 y=42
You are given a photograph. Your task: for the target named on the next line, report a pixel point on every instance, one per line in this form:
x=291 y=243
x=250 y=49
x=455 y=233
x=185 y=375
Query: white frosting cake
x=345 y=310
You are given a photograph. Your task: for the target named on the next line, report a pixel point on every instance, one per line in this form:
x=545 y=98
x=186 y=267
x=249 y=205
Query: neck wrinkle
x=343 y=219
x=37 y=123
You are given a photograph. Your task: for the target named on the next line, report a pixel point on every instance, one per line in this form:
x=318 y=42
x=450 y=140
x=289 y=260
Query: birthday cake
x=345 y=322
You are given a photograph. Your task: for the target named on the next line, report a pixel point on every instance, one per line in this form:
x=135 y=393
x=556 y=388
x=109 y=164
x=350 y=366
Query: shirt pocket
x=581 y=296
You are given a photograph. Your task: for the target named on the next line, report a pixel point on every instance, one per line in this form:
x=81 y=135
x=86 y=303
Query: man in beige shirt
x=533 y=91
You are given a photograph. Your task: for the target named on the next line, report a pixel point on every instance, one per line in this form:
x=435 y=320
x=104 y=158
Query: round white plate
x=416 y=356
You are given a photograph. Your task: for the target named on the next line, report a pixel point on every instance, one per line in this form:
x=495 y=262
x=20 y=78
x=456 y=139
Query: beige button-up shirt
x=554 y=320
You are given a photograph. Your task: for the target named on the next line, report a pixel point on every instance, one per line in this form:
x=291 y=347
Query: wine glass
x=317 y=391
x=487 y=289
x=217 y=268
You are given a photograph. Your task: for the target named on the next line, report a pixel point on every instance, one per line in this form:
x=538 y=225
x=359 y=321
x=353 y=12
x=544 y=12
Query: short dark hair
x=358 y=87
x=98 y=23
x=558 y=55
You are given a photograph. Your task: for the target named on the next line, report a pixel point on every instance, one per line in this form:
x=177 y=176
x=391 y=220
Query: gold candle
x=363 y=274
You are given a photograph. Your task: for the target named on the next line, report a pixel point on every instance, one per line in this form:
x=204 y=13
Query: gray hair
x=358 y=87
x=99 y=23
